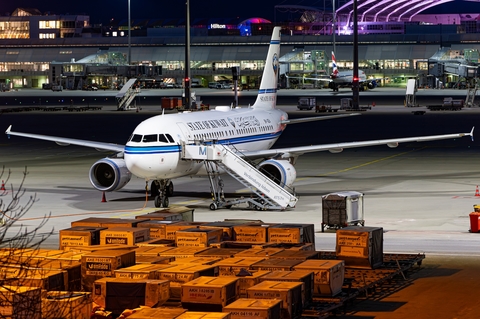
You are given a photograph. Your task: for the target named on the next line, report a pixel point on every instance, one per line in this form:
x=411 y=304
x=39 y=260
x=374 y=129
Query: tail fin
x=267 y=94
x=334 y=66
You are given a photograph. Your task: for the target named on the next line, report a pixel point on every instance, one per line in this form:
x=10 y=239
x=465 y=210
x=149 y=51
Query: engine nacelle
x=282 y=171
x=109 y=174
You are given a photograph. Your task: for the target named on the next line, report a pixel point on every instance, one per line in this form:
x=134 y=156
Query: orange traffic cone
x=3 y=186
x=104 y=200
x=477 y=193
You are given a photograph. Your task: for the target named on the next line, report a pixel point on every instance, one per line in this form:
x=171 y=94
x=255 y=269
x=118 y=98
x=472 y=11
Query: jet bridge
x=126 y=95
x=218 y=158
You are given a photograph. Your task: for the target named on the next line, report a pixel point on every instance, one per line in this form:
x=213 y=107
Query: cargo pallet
x=363 y=284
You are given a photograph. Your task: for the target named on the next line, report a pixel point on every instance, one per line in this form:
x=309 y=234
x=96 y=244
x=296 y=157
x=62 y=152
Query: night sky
x=101 y=11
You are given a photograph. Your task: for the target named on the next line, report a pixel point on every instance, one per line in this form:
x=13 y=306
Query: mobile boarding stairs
x=126 y=96
x=218 y=158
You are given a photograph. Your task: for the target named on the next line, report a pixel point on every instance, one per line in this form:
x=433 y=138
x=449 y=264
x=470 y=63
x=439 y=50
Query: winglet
x=471 y=132
x=8 y=130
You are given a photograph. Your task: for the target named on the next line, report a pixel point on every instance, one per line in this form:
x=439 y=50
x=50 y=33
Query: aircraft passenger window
x=162 y=138
x=170 y=138
x=150 y=138
x=136 y=138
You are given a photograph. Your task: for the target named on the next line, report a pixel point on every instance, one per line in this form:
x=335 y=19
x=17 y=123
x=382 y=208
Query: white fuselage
x=154 y=149
x=346 y=77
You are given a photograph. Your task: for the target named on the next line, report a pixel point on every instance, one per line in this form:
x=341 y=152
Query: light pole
x=129 y=60
x=187 y=82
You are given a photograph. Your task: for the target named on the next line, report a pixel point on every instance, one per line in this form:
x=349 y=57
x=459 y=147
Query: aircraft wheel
x=165 y=202
x=228 y=206
x=213 y=206
x=169 y=189
x=153 y=189
x=158 y=201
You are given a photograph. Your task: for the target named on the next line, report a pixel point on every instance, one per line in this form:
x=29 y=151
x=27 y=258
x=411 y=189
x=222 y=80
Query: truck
x=342 y=209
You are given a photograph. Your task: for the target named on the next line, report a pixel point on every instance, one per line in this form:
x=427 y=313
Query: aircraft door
x=186 y=135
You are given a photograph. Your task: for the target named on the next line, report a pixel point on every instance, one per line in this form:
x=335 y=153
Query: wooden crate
x=66 y=305
x=204 y=315
x=157 y=227
x=171 y=229
x=274 y=264
x=186 y=213
x=140 y=271
x=291 y=293
x=245 y=308
x=102 y=263
x=20 y=302
x=360 y=247
x=233 y=266
x=157 y=313
x=79 y=236
x=305 y=276
x=118 y=294
x=297 y=254
x=257 y=233
x=180 y=274
x=124 y=236
x=197 y=237
x=328 y=275
x=292 y=233
x=267 y=252
x=106 y=222
x=209 y=293
x=221 y=253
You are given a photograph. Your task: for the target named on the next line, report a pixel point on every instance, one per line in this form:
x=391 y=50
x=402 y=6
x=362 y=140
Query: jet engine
x=280 y=171
x=109 y=174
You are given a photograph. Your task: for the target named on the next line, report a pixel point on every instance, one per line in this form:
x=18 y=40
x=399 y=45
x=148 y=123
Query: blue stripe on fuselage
x=265 y=91
x=176 y=148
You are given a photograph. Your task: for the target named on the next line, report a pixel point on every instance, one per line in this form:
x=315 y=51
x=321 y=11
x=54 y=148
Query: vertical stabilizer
x=267 y=94
x=334 y=66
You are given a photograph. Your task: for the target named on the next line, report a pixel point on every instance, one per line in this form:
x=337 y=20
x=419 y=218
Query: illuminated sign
x=217 y=26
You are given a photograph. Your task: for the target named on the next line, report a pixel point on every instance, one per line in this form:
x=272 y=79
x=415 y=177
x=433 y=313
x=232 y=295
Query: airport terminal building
x=395 y=43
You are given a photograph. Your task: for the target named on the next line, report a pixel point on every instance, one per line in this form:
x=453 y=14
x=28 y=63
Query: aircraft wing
x=338 y=147
x=317 y=118
x=63 y=141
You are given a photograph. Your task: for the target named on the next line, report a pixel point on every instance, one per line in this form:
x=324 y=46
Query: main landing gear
x=161 y=190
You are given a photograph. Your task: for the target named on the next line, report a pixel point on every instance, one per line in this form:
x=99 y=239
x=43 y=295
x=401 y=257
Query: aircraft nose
x=136 y=166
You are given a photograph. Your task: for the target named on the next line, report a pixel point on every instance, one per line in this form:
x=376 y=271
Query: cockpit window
x=162 y=138
x=136 y=138
x=150 y=138
x=169 y=138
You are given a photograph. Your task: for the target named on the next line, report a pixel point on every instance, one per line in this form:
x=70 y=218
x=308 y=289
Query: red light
x=187 y=79
x=355 y=79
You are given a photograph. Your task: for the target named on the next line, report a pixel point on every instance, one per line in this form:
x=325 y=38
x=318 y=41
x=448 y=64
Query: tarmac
x=421 y=194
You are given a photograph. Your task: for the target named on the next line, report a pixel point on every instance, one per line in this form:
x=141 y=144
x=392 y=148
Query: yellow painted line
x=371 y=162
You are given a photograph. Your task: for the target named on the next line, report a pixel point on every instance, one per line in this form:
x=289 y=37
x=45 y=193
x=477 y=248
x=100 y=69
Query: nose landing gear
x=161 y=190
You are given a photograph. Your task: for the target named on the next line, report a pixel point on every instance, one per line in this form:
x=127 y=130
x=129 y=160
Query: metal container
x=342 y=209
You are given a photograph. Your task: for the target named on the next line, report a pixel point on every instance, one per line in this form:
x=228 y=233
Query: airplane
x=154 y=150
x=343 y=78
